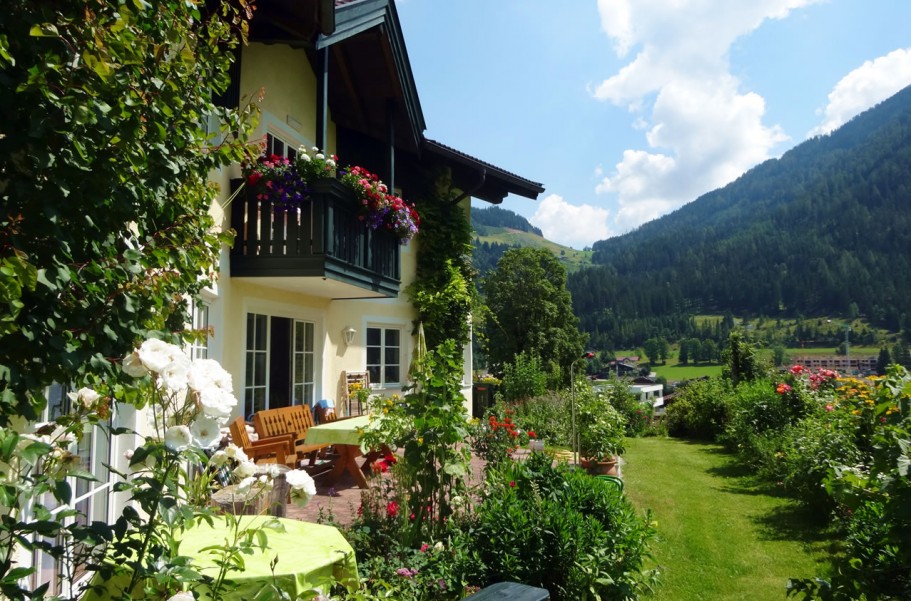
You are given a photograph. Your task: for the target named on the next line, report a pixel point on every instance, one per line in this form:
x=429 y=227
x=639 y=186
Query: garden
x=837 y=446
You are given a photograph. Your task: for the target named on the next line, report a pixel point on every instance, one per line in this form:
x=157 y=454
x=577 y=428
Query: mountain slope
x=496 y=230
x=824 y=229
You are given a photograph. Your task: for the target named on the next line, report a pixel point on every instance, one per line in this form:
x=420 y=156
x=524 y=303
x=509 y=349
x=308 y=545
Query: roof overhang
x=371 y=87
x=478 y=178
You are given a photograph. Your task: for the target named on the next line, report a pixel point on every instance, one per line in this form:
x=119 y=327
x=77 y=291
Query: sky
x=625 y=110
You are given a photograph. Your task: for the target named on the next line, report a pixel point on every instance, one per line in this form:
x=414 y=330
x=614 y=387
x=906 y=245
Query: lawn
x=722 y=536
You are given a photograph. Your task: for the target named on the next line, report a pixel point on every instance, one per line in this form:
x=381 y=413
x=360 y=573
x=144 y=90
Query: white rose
x=183 y=596
x=439 y=546
x=301 y=481
x=178 y=438
x=206 y=432
x=304 y=157
x=173 y=376
x=314 y=150
x=245 y=469
x=84 y=396
x=208 y=373
x=244 y=486
x=330 y=163
x=217 y=402
x=132 y=366
x=219 y=458
x=320 y=156
x=236 y=453
x=156 y=354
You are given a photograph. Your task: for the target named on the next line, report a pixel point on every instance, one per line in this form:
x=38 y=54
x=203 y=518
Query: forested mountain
x=497 y=217
x=825 y=229
x=496 y=230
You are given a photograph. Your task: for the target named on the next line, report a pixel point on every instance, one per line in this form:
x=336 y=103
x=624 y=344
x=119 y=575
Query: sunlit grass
x=722 y=535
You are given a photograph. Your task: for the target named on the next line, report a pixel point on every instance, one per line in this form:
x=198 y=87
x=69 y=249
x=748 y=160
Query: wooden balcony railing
x=323 y=238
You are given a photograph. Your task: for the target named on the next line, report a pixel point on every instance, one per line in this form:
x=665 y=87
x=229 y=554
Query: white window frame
x=295 y=313
x=381 y=382
x=101 y=442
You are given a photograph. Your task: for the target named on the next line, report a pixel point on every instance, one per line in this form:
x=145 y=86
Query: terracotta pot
x=601 y=468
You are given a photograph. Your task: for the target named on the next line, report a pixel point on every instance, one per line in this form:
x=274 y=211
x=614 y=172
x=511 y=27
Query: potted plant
x=601 y=431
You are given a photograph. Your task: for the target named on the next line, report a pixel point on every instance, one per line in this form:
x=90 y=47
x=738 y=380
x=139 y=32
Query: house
x=844 y=364
x=304 y=301
x=650 y=392
x=289 y=322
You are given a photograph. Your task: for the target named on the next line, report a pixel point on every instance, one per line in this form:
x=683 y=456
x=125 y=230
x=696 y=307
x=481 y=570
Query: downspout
x=390 y=156
x=322 y=97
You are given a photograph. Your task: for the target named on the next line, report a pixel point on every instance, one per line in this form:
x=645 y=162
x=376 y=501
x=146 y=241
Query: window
x=90 y=498
x=199 y=319
x=275 y=145
x=384 y=356
x=280 y=363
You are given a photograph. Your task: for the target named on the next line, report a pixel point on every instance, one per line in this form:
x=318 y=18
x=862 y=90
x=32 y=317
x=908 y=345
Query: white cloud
x=702 y=130
x=571 y=225
x=863 y=87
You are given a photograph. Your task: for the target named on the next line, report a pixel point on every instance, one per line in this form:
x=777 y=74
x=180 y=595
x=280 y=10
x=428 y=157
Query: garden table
x=310 y=558
x=345 y=435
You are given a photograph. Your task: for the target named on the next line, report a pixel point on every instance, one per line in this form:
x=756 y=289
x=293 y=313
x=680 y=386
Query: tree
x=530 y=310
x=741 y=364
x=652 y=350
x=105 y=159
x=883 y=361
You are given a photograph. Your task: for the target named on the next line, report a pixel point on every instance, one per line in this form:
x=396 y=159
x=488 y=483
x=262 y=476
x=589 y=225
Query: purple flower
x=405 y=573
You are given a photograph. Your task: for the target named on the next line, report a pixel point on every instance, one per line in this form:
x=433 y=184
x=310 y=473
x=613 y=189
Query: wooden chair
x=276 y=449
x=293 y=421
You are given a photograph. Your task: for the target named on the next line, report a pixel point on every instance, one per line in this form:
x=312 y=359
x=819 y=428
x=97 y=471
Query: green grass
x=722 y=536
x=676 y=372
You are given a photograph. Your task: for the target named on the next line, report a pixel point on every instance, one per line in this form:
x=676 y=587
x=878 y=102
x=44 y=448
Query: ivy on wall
x=443 y=292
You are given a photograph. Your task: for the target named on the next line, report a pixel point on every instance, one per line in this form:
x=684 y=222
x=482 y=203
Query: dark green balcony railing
x=324 y=238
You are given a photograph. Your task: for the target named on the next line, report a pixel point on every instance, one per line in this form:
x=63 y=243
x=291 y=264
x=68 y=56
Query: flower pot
x=601 y=468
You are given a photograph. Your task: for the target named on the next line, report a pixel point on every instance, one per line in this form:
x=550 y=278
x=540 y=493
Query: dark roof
x=493 y=183
x=371 y=82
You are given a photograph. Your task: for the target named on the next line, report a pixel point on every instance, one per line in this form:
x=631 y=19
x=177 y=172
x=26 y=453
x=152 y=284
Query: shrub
x=638 y=415
x=700 y=410
x=548 y=416
x=523 y=378
x=560 y=529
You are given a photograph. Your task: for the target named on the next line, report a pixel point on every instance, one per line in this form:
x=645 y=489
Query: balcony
x=322 y=242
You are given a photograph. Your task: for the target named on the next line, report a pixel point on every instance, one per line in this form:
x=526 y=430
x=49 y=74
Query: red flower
x=253 y=178
x=512 y=484
x=531 y=434
x=392 y=509
x=424 y=547
x=783 y=388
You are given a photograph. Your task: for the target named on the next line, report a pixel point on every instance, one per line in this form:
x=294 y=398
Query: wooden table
x=345 y=436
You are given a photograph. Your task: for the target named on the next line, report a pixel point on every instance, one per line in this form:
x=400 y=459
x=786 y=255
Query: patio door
x=280 y=363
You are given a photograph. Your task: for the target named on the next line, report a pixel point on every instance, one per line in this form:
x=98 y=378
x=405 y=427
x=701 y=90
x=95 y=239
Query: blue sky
x=627 y=109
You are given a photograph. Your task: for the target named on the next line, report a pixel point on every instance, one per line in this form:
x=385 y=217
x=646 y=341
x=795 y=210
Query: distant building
x=852 y=364
x=649 y=392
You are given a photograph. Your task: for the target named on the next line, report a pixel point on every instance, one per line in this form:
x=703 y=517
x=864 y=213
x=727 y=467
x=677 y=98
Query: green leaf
x=62 y=491
x=43 y=30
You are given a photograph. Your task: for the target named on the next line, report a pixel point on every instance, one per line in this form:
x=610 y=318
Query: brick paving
x=343 y=497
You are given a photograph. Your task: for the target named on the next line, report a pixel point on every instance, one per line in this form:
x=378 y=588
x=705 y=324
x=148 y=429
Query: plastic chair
x=613 y=480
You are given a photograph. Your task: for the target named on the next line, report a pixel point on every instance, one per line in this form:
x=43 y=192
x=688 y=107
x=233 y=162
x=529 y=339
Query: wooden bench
x=294 y=420
x=274 y=449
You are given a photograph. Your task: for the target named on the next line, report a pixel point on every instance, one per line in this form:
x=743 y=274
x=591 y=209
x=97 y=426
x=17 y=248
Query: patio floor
x=343 y=497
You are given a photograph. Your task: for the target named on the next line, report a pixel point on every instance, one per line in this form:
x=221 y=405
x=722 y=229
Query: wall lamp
x=349 y=333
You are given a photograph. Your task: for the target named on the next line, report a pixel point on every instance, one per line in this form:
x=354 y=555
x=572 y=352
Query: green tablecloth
x=343 y=431
x=310 y=556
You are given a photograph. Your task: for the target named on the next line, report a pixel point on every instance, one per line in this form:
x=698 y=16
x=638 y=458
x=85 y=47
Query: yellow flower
x=420 y=440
